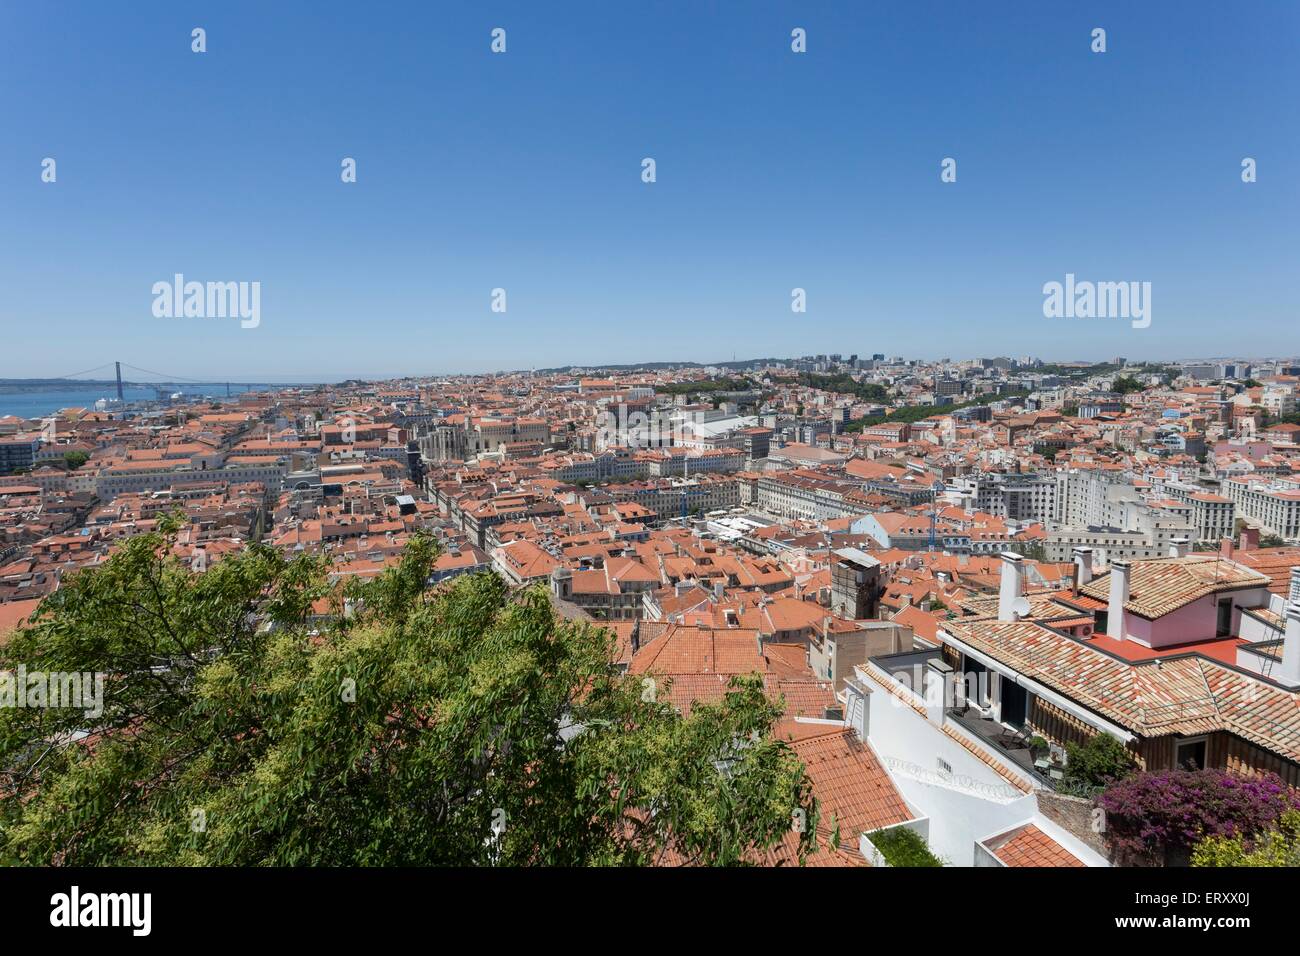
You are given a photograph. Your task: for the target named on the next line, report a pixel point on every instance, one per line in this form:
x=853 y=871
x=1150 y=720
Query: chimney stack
x=1249 y=539
x=1179 y=547
x=1083 y=565
x=1009 y=593
x=1290 y=673
x=856 y=711
x=1119 y=582
x=1225 y=549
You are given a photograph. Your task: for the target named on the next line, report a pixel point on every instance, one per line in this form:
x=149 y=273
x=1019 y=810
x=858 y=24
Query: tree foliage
x=845 y=384
x=1124 y=384
x=75 y=459
x=459 y=725
x=1101 y=760
x=903 y=847
x=1277 y=847
x=706 y=386
x=916 y=413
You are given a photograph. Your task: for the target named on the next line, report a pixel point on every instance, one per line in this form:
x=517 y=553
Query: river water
x=34 y=403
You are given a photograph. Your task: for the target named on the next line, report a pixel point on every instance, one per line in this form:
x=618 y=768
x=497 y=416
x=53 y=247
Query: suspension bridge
x=136 y=377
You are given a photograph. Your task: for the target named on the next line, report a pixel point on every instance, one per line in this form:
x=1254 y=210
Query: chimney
x=1289 y=675
x=1119 y=581
x=1179 y=547
x=1011 y=584
x=856 y=711
x=1083 y=565
x=1249 y=539
x=937 y=688
x=1225 y=549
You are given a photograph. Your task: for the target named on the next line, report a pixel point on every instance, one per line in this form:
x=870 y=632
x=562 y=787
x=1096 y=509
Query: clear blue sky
x=522 y=171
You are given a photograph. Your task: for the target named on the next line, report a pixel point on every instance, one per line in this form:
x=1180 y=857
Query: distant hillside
x=659 y=366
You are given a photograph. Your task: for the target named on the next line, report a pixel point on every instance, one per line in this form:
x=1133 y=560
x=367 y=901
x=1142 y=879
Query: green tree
x=459 y=725
x=1279 y=847
x=1124 y=384
x=1096 y=763
x=75 y=459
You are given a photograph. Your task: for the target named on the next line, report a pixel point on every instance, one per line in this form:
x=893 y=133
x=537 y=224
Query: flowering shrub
x=1156 y=818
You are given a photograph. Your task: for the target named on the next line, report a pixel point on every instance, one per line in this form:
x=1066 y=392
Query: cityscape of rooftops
x=592 y=435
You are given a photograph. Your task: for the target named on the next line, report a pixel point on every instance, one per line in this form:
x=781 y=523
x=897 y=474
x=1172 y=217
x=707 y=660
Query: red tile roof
x=1030 y=846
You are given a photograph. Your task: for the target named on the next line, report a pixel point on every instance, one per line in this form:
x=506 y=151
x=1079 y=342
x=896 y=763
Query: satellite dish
x=1020 y=606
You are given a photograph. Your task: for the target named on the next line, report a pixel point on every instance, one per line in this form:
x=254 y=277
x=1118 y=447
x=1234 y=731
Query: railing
x=998 y=743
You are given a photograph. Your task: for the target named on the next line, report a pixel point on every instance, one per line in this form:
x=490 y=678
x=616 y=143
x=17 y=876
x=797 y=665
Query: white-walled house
x=975 y=802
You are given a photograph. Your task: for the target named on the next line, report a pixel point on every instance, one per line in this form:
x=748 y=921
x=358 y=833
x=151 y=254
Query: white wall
x=964 y=807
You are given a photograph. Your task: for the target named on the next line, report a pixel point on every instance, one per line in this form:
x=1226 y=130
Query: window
x=1189 y=754
x=1224 y=623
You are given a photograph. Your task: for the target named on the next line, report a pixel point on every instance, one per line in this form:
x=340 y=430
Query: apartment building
x=1212 y=516
x=1088 y=497
x=1104 y=511
x=1279 y=399
x=669 y=497
x=161 y=474
x=1027 y=497
x=1154 y=539
x=680 y=462
x=1274 y=505
x=616 y=591
x=612 y=464
x=804 y=495
x=18 y=452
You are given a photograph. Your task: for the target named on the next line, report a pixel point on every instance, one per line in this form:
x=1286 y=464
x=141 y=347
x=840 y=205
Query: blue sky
x=522 y=171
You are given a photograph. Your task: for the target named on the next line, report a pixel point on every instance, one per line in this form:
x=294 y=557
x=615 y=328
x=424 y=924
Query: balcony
x=1011 y=744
